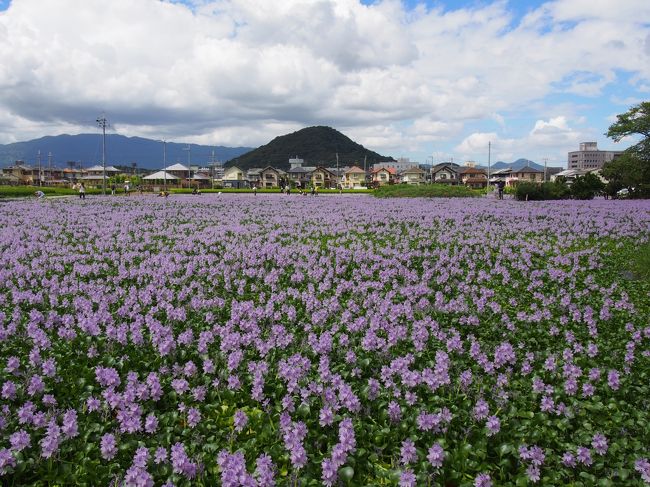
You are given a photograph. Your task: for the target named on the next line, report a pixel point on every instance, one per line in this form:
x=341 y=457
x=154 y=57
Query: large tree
x=632 y=169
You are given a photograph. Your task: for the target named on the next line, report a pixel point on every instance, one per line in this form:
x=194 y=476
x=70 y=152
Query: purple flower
x=394 y=412
x=483 y=480
x=533 y=473
x=265 y=471
x=69 y=427
x=642 y=465
x=6 y=460
x=599 y=443
x=408 y=453
x=569 y=460
x=193 y=417
x=436 y=455
x=493 y=425
x=151 y=423
x=240 y=420
x=160 y=455
x=481 y=409
x=584 y=456
x=50 y=443
x=407 y=479
x=19 y=440
x=108 y=446
x=613 y=380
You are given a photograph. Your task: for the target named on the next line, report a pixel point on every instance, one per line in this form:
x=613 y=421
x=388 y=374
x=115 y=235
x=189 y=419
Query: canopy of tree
x=316 y=145
x=632 y=169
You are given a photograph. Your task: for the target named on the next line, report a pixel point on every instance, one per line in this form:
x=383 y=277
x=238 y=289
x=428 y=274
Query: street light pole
x=102 y=122
x=40 y=171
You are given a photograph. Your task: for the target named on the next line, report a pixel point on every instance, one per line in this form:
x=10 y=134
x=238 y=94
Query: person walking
x=113 y=189
x=255 y=189
x=82 y=192
x=500 y=186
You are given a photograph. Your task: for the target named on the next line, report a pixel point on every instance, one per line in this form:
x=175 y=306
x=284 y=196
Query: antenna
x=103 y=123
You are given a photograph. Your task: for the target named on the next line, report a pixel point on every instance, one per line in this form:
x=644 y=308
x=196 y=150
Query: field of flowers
x=272 y=340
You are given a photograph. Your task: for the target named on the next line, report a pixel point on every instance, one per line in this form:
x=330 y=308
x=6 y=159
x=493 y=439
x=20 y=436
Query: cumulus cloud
x=243 y=71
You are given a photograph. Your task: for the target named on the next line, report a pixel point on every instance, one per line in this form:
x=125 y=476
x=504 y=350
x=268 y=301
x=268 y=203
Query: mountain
x=120 y=151
x=518 y=164
x=316 y=145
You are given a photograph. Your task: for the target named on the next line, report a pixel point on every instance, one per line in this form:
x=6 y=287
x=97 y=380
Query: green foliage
x=556 y=190
x=316 y=145
x=425 y=191
x=632 y=169
x=586 y=187
x=636 y=121
x=28 y=191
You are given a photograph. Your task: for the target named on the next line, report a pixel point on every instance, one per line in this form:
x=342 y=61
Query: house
x=271 y=177
x=383 y=176
x=354 y=177
x=413 y=175
x=99 y=171
x=234 y=177
x=322 y=178
x=445 y=173
x=473 y=177
x=19 y=173
x=528 y=174
x=300 y=176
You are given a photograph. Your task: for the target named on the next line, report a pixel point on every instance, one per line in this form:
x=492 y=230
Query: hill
x=120 y=151
x=316 y=145
x=518 y=164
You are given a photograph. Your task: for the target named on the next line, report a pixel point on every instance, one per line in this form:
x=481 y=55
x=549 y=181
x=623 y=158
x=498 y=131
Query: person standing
x=500 y=186
x=113 y=189
x=82 y=192
x=255 y=189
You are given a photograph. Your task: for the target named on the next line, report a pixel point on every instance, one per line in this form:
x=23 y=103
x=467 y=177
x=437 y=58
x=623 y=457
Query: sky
x=428 y=80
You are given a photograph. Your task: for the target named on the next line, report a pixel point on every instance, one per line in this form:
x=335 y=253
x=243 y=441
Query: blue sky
x=430 y=80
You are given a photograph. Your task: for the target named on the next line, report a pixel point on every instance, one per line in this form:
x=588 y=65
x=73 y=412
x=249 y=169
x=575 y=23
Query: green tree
x=632 y=169
x=636 y=121
x=586 y=187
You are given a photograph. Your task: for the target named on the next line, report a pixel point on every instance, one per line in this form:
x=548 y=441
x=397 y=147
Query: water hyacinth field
x=272 y=340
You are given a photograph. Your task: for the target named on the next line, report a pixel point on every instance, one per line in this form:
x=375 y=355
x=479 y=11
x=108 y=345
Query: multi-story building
x=589 y=157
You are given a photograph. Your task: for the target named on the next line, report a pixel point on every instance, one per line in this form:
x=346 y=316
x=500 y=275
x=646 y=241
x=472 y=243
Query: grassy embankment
x=28 y=191
x=426 y=191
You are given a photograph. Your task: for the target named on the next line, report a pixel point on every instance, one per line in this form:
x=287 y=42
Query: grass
x=28 y=191
x=425 y=191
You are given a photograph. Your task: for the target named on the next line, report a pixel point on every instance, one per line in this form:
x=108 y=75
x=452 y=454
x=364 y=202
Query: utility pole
x=489 y=160
x=189 y=164
x=165 y=162
x=212 y=168
x=102 y=122
x=545 y=160
x=337 y=171
x=40 y=171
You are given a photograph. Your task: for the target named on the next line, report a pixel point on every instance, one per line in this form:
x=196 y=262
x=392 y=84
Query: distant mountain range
x=316 y=145
x=120 y=151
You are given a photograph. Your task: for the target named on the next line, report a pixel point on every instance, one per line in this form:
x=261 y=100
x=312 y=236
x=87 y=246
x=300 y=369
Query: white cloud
x=240 y=72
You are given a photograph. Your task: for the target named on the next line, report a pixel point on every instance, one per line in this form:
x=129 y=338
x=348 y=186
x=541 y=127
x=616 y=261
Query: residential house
x=527 y=173
x=445 y=173
x=473 y=177
x=19 y=173
x=413 y=175
x=354 y=177
x=300 y=176
x=383 y=176
x=322 y=178
x=234 y=177
x=271 y=177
